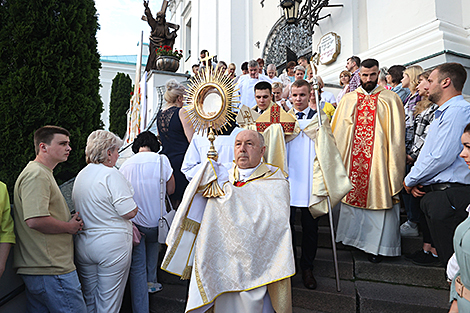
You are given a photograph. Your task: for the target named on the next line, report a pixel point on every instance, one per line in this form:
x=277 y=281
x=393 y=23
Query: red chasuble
x=362 y=149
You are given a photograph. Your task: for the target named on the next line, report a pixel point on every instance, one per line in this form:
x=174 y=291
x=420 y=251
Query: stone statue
x=161 y=35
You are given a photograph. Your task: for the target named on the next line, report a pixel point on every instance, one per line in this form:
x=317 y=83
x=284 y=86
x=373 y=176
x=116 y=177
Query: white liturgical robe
x=300 y=157
x=197 y=152
x=246 y=84
x=238 y=247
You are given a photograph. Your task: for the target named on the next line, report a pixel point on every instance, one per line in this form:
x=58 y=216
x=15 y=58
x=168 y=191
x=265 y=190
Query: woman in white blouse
x=103 y=248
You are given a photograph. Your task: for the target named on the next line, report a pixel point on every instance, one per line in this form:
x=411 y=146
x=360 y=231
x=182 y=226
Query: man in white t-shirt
x=247 y=82
x=148 y=172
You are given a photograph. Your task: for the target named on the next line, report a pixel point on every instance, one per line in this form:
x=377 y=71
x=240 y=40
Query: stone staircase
x=394 y=285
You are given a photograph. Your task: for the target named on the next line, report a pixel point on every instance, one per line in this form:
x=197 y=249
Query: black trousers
x=444 y=211
x=309 y=237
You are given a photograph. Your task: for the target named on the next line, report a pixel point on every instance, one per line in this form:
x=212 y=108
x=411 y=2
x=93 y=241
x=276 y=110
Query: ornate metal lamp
x=291 y=10
x=310 y=12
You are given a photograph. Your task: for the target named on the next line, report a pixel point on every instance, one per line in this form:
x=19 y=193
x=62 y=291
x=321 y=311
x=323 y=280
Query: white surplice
x=300 y=157
x=196 y=153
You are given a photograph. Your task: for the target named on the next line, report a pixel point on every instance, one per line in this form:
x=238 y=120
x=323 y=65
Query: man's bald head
x=249 y=149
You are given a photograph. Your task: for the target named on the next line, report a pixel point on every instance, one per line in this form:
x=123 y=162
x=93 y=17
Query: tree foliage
x=49 y=75
x=119 y=103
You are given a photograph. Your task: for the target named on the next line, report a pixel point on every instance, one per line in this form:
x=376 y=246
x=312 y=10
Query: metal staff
x=330 y=213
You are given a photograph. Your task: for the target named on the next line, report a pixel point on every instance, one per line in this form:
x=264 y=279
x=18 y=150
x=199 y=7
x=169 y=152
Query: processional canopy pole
x=316 y=88
x=210 y=103
x=330 y=213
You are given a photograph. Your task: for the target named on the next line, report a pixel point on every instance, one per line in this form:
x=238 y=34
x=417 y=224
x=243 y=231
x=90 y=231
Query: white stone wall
x=397 y=32
x=221 y=27
x=107 y=73
x=393 y=32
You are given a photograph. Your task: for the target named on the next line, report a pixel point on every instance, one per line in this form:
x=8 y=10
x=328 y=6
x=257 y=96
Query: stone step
x=324 y=266
x=300 y=310
x=353 y=265
x=171 y=299
x=398 y=270
x=389 y=298
x=359 y=296
x=411 y=244
x=408 y=244
x=325 y=298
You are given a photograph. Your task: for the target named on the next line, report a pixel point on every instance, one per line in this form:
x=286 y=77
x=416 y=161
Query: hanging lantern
x=291 y=10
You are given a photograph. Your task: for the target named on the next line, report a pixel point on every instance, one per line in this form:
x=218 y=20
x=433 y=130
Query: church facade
x=424 y=32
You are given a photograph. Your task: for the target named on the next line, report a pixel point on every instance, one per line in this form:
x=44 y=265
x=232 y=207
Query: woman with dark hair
x=261 y=66
x=150 y=174
x=176 y=133
x=288 y=76
x=394 y=77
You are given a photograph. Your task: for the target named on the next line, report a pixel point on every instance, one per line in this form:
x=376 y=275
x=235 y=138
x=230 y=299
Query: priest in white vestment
x=237 y=247
x=369 y=129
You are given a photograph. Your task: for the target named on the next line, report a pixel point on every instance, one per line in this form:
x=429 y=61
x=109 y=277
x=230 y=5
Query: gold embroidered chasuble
x=370 y=132
x=242 y=240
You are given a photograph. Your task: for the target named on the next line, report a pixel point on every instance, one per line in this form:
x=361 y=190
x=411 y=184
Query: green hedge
x=119 y=104
x=49 y=75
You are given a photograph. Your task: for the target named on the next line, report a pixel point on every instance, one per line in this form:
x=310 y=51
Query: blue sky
x=121 y=25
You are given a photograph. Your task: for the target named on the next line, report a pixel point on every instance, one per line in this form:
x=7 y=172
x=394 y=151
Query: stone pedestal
x=156 y=81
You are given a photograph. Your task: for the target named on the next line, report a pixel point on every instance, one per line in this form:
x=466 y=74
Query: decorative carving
x=283 y=35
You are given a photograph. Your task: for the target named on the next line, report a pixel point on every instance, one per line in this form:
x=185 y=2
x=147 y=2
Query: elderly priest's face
x=249 y=148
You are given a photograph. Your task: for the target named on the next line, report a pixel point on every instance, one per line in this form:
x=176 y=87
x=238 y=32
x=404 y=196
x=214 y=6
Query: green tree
x=49 y=75
x=119 y=104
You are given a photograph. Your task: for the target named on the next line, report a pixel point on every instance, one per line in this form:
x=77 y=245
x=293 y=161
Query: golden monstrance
x=210 y=99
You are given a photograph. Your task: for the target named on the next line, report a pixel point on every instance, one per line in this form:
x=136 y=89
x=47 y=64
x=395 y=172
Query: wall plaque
x=329 y=48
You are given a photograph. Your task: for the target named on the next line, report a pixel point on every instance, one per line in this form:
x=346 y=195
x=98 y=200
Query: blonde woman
x=422 y=118
x=344 y=78
x=277 y=93
x=103 y=248
x=176 y=133
x=231 y=71
x=410 y=81
x=411 y=204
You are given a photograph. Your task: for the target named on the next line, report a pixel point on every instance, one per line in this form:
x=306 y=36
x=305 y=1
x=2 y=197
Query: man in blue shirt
x=439 y=175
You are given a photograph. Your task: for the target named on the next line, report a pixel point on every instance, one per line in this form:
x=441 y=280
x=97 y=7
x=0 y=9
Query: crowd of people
x=403 y=134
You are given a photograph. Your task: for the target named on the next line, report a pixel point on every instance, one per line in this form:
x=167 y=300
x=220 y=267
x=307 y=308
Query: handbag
x=136 y=235
x=164 y=222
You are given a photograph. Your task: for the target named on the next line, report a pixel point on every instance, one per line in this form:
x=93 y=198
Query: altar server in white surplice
x=199 y=146
x=300 y=157
x=237 y=247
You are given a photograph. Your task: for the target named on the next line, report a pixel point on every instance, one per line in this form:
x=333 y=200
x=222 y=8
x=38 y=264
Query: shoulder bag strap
x=162 y=195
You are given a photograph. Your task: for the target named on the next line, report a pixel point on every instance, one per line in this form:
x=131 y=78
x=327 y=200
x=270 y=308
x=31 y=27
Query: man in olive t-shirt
x=43 y=254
